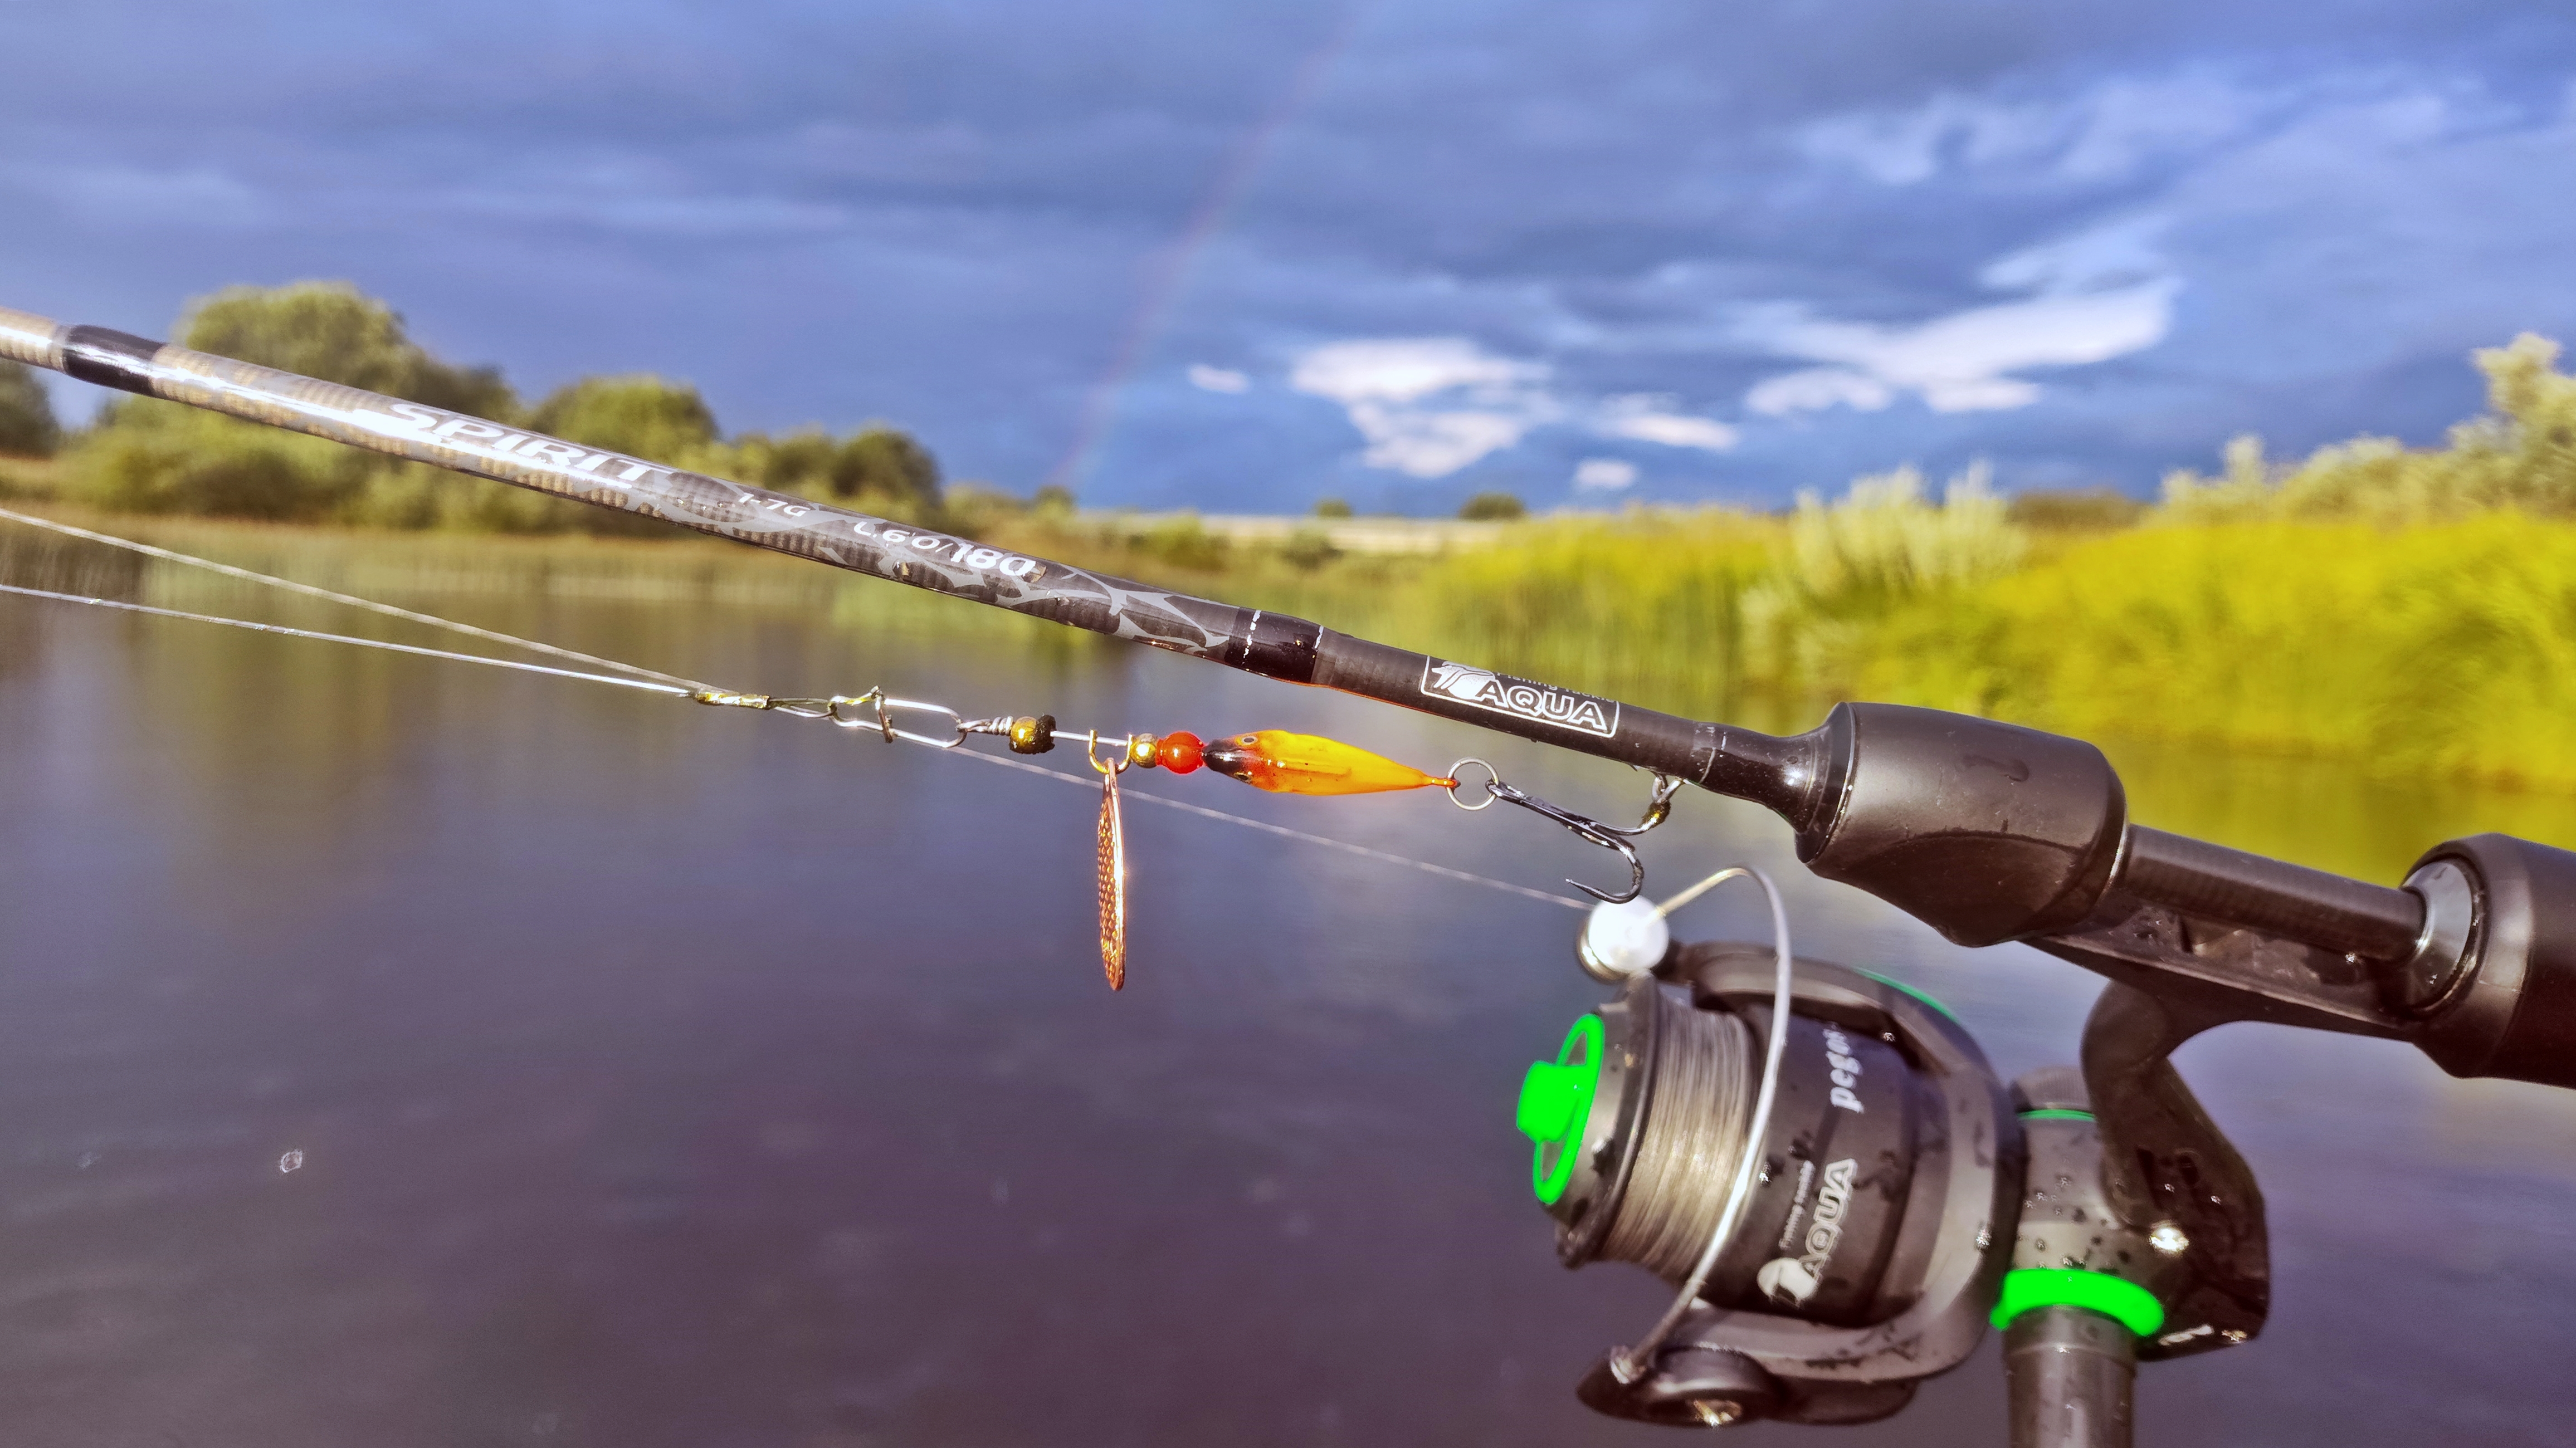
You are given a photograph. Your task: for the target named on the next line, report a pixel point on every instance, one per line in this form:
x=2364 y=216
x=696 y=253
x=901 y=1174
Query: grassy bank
x=2441 y=648
x=2408 y=611
x=2445 y=648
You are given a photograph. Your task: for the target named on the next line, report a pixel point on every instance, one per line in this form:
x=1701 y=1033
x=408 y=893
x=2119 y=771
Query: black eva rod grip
x=2376 y=922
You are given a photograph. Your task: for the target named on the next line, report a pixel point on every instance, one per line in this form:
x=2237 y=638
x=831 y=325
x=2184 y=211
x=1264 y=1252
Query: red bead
x=1181 y=752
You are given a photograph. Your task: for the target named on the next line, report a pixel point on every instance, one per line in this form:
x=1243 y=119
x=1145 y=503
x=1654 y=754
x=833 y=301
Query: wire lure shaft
x=1113 y=869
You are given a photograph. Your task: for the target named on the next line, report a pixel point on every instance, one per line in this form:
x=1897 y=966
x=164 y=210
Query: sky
x=1242 y=256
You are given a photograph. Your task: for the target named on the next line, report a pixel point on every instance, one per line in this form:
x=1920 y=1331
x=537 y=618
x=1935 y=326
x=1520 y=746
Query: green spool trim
x=1556 y=1102
x=2132 y=1306
x=1918 y=995
x=2057 y=1113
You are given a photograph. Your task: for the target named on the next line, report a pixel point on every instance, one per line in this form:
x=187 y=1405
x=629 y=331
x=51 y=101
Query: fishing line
x=352 y=600
x=1286 y=833
x=668 y=685
x=672 y=690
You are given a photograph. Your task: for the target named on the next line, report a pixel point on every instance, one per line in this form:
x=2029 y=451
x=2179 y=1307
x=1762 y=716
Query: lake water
x=398 y=1053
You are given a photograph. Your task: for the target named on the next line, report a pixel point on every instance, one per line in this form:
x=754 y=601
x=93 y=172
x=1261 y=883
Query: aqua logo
x=1792 y=1280
x=1520 y=698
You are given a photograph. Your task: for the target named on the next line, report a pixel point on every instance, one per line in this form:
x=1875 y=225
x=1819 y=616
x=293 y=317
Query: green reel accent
x=1919 y=995
x=2125 y=1302
x=2057 y=1113
x=1556 y=1101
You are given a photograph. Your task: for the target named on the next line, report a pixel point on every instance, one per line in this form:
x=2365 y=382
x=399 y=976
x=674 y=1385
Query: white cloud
x=1816 y=389
x=1217 y=379
x=1432 y=444
x=1603 y=475
x=2116 y=253
x=1406 y=369
x=1428 y=406
x=1650 y=419
x=2103 y=292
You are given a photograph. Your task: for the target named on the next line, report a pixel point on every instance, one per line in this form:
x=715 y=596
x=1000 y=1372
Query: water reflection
x=661 y=1075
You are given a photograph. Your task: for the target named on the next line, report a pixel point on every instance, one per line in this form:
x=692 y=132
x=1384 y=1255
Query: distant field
x=1350 y=535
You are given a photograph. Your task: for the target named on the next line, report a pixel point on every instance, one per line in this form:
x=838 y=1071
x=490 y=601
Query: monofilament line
x=648 y=685
x=1286 y=833
x=352 y=600
x=672 y=690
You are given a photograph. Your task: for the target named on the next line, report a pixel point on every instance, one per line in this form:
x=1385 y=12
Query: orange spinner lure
x=1271 y=759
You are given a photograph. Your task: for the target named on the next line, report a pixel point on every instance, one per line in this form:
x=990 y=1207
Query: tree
x=886 y=463
x=639 y=415
x=148 y=456
x=1492 y=508
x=27 y=426
x=1332 y=508
x=333 y=331
x=152 y=456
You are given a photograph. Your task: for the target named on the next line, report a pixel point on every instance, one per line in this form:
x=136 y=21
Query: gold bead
x=1144 y=750
x=1033 y=735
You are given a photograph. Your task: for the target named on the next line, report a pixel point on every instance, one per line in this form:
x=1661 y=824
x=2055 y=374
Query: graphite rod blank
x=1730 y=761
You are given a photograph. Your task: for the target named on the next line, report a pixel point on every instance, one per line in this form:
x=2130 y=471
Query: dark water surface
x=657 y=1075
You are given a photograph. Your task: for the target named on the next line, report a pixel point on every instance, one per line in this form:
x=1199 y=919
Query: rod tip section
x=36 y=341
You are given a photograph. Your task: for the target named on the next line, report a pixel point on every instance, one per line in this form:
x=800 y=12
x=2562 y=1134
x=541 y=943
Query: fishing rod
x=1818 y=1159
x=2049 y=811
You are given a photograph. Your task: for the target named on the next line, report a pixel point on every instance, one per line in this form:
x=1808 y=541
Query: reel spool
x=1882 y=1215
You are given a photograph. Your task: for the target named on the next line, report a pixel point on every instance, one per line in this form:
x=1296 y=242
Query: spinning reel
x=1885 y=1197
x=1904 y=1199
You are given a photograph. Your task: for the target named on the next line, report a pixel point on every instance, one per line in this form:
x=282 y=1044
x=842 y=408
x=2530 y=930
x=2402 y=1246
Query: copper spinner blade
x=1113 y=883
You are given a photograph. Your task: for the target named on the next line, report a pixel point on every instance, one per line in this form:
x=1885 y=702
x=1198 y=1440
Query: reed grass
x=2444 y=649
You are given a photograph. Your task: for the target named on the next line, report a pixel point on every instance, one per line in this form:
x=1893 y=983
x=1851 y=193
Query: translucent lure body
x=1285 y=763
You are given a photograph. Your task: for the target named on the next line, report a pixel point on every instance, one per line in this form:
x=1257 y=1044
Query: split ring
x=1493 y=777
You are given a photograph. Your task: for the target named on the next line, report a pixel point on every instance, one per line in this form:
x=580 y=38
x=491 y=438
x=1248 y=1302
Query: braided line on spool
x=1690 y=1142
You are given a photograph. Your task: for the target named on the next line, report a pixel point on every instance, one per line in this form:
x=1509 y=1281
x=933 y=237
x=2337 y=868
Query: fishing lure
x=1271 y=759
x=1113 y=869
x=1285 y=763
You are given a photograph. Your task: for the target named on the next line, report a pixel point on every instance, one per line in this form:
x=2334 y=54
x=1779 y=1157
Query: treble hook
x=1614 y=838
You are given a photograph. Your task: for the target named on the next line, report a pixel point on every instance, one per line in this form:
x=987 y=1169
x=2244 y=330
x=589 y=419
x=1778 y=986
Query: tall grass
x=2445 y=648
x=2442 y=649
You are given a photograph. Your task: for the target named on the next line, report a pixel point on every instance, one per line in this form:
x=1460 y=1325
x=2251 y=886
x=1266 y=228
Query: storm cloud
x=1238 y=257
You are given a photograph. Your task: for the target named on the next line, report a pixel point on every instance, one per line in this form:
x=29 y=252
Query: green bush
x=1185 y=542
x=641 y=416
x=160 y=457
x=332 y=331
x=2084 y=510
x=157 y=457
x=1308 y=549
x=2521 y=454
x=27 y=426
x=1492 y=508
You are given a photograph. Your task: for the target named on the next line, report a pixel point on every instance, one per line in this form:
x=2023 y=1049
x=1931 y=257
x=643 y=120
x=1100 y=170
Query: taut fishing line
x=352 y=600
x=1273 y=760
